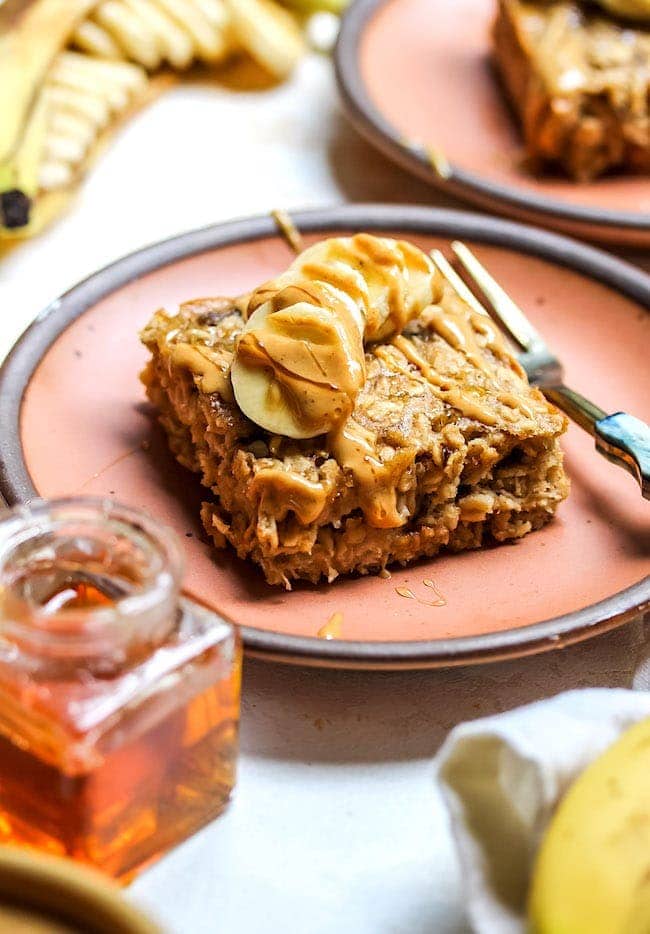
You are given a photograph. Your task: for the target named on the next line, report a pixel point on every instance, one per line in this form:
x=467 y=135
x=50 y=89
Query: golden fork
x=623 y=439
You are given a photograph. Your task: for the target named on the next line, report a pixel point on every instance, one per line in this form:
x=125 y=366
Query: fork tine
x=510 y=315
x=456 y=282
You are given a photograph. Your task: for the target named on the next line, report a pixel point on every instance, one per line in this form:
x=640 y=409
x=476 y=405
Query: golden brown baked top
x=446 y=377
x=578 y=48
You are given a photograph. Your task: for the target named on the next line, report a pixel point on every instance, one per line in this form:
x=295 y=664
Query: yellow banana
x=592 y=874
x=56 y=104
x=31 y=34
x=19 y=176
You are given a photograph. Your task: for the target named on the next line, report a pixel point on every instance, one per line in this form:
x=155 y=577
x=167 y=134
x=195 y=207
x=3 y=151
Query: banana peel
x=31 y=35
x=48 y=205
x=19 y=175
x=592 y=874
x=35 y=140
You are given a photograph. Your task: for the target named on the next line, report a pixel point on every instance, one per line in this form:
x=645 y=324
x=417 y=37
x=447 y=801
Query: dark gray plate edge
x=379 y=132
x=16 y=372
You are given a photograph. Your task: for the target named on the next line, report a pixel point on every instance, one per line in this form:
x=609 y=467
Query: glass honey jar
x=119 y=699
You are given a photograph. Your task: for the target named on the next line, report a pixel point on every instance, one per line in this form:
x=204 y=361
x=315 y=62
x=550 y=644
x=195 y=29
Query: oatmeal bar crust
x=462 y=483
x=579 y=82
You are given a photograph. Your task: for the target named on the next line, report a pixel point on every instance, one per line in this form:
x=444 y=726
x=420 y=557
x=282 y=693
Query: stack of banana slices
x=71 y=69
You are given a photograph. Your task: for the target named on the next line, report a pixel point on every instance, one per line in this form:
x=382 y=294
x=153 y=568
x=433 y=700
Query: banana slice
x=214 y=11
x=64 y=123
x=64 y=149
x=78 y=79
x=289 y=392
x=268 y=33
x=83 y=94
x=177 y=46
x=210 y=42
x=84 y=106
x=255 y=394
x=299 y=363
x=129 y=32
x=114 y=82
x=86 y=73
x=91 y=38
x=54 y=173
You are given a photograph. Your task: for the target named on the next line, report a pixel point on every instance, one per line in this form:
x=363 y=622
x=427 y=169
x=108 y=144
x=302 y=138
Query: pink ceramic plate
x=74 y=420
x=417 y=73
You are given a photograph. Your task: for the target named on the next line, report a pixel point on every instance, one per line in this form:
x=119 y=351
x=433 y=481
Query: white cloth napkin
x=501 y=778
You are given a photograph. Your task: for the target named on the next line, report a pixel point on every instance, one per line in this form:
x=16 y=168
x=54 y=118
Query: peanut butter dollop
x=299 y=363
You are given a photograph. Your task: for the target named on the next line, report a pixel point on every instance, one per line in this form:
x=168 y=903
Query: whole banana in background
x=71 y=70
x=592 y=874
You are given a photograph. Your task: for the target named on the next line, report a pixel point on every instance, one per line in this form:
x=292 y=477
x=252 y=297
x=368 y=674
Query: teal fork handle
x=625 y=440
x=621 y=438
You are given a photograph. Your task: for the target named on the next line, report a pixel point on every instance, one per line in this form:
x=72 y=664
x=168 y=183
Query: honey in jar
x=119 y=699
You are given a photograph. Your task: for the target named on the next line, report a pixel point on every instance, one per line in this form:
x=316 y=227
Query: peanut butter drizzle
x=390 y=281
x=453 y=395
x=281 y=492
x=459 y=324
x=355 y=449
x=210 y=374
x=332 y=628
x=306 y=331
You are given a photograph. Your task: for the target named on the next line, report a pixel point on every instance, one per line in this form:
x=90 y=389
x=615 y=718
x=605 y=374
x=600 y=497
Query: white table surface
x=335 y=826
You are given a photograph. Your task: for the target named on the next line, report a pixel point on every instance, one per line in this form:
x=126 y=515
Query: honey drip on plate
x=405 y=592
x=332 y=628
x=408 y=593
x=441 y=600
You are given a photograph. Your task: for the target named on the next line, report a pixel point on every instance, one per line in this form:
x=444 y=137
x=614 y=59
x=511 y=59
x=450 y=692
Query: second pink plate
x=74 y=420
x=416 y=74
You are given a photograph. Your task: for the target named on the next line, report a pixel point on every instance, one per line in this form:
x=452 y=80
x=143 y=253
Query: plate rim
x=369 y=121
x=21 y=362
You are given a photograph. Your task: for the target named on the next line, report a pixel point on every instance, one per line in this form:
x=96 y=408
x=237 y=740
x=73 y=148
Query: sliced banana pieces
x=180 y=32
x=268 y=33
x=55 y=102
x=83 y=96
